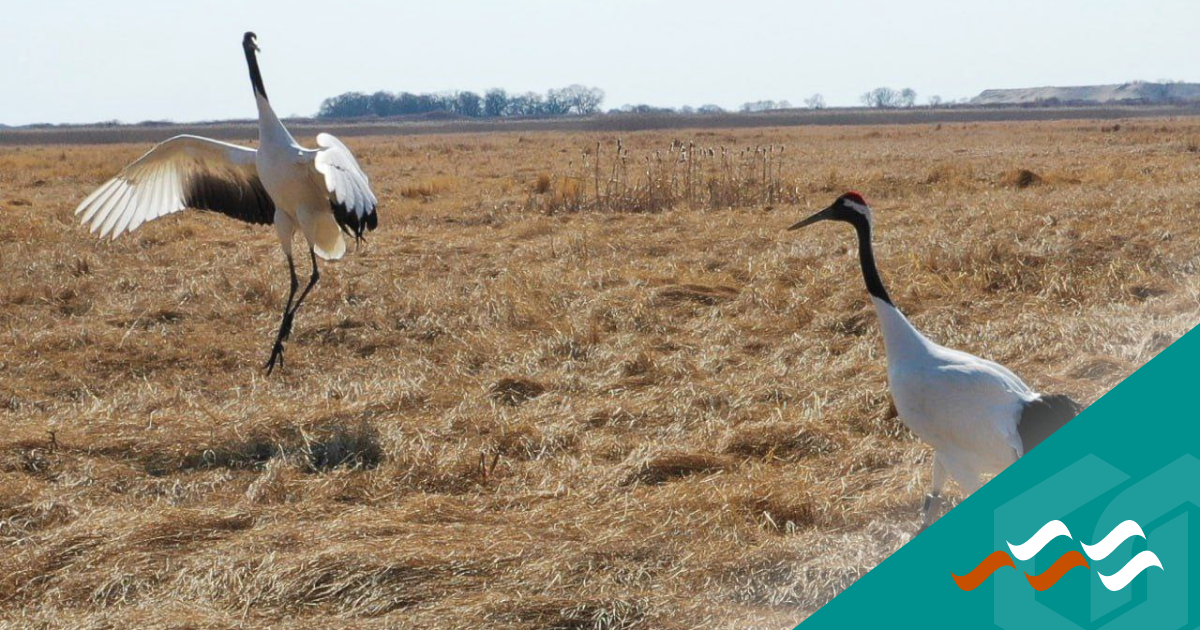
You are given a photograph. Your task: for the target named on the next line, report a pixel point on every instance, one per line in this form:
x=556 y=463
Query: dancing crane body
x=978 y=416
x=322 y=192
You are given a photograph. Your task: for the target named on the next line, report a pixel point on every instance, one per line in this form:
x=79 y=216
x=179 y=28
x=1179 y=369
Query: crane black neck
x=255 y=75
x=866 y=257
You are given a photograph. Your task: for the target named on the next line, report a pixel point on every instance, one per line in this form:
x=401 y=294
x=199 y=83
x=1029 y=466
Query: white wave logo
x=1098 y=551
x=1031 y=547
x=1118 y=535
x=1133 y=568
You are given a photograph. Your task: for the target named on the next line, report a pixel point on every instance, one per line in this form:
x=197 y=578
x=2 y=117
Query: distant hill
x=1134 y=92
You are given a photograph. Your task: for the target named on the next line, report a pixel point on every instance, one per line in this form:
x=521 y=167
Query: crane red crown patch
x=856 y=197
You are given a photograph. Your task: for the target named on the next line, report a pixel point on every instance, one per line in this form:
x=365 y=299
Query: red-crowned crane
x=977 y=415
x=321 y=192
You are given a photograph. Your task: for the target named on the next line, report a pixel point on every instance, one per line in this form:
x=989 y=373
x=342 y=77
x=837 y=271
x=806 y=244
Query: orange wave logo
x=999 y=559
x=1050 y=576
x=983 y=571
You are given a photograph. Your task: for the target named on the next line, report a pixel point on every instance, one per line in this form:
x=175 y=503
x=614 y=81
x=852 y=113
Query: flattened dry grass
x=501 y=415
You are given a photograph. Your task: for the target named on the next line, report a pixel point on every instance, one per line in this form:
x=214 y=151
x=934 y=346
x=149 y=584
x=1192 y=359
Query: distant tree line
x=654 y=109
x=765 y=106
x=575 y=100
x=816 y=101
x=885 y=97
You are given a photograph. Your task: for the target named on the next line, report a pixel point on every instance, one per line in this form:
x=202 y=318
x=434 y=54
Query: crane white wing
x=987 y=371
x=349 y=189
x=994 y=387
x=182 y=172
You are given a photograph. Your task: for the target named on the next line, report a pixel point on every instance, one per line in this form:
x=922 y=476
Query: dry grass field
x=517 y=408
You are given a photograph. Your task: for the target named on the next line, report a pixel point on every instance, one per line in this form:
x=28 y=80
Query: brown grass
x=561 y=413
x=428 y=188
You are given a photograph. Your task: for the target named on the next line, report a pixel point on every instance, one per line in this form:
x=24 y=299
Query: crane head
x=851 y=208
x=250 y=41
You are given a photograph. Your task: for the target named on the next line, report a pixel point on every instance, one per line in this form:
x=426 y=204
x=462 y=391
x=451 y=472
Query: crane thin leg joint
x=933 y=501
x=289 y=311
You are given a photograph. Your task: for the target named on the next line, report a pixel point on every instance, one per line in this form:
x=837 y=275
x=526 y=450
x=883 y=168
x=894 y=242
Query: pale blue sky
x=77 y=61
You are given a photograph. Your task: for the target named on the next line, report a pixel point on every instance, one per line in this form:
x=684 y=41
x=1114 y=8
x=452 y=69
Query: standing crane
x=977 y=415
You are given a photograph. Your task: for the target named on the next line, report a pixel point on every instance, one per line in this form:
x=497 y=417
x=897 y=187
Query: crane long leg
x=312 y=280
x=289 y=313
x=933 y=502
x=277 y=350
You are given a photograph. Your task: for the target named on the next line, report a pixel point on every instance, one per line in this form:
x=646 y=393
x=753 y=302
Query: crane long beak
x=823 y=215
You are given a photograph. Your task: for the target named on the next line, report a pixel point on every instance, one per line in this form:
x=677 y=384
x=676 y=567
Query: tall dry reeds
x=683 y=175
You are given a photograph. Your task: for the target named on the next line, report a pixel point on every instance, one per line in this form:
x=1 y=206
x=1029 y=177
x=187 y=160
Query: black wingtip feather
x=351 y=223
x=1042 y=417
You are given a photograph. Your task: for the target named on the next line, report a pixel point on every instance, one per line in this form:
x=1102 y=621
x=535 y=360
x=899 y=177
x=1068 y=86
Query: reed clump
x=683 y=175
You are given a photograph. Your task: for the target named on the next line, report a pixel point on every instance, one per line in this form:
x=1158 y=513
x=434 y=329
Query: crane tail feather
x=1043 y=416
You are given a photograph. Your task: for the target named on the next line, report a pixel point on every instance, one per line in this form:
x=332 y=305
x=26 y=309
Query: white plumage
x=977 y=415
x=155 y=184
x=966 y=407
x=321 y=192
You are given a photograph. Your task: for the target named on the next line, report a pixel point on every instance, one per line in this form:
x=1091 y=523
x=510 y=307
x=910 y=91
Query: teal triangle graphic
x=1133 y=455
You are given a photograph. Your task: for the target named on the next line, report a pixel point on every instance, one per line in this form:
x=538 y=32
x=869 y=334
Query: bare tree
x=816 y=101
x=382 y=103
x=558 y=102
x=495 y=103
x=935 y=101
x=527 y=104
x=581 y=99
x=468 y=104
x=881 y=97
x=908 y=97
